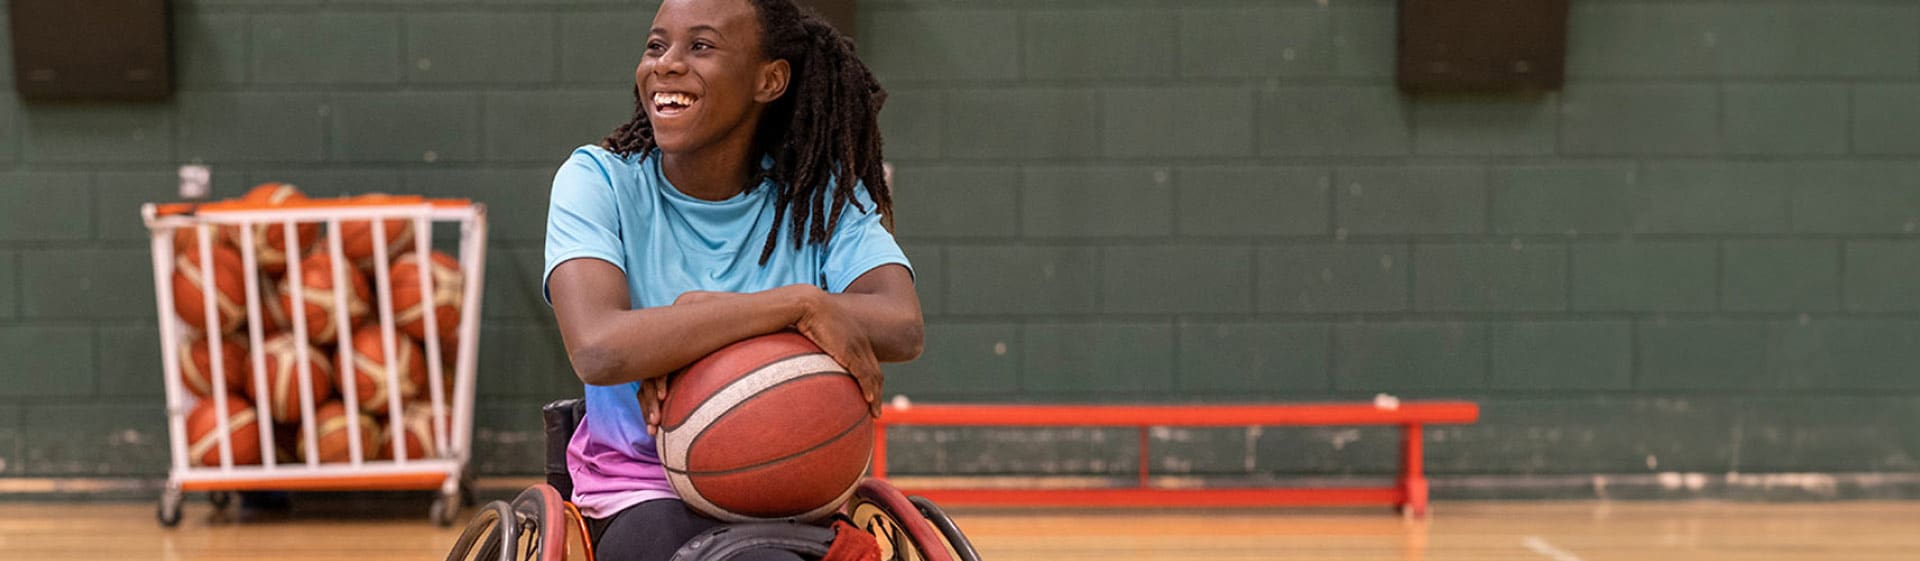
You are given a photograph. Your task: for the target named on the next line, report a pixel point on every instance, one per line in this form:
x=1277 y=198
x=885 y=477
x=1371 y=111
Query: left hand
x=842 y=338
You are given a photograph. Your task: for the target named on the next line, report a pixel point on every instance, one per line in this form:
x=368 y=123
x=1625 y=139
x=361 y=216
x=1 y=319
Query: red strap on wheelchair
x=851 y=544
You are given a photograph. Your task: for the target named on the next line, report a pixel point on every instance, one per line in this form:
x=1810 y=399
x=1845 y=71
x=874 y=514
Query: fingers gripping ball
x=444 y=282
x=270 y=240
x=314 y=289
x=196 y=365
x=281 y=397
x=370 y=369
x=203 y=432
x=229 y=282
x=334 y=434
x=768 y=428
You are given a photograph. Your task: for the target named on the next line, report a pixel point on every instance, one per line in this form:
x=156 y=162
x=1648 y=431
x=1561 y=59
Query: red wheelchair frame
x=540 y=525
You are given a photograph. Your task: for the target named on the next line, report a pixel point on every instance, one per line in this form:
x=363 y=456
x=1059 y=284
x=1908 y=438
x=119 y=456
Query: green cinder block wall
x=1701 y=256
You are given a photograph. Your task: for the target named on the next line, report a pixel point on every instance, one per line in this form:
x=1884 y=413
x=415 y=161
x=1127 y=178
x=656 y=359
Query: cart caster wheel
x=220 y=499
x=168 y=511
x=444 y=509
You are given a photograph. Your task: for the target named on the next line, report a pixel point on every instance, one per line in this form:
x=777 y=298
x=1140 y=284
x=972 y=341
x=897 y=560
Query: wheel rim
x=886 y=529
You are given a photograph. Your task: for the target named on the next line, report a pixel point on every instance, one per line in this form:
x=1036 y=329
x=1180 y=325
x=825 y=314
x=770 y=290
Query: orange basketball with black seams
x=270 y=246
x=314 y=290
x=196 y=365
x=769 y=428
x=357 y=240
x=281 y=397
x=334 y=434
x=416 y=431
x=229 y=282
x=371 y=381
x=203 y=432
x=443 y=283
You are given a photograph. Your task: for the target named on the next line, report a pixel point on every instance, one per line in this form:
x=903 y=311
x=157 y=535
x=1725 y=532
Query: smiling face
x=705 y=79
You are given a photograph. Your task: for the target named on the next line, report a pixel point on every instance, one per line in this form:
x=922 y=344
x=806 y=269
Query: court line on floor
x=1540 y=546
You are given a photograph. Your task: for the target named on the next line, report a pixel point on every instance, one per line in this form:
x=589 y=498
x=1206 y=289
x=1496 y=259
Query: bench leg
x=878 y=469
x=1413 y=479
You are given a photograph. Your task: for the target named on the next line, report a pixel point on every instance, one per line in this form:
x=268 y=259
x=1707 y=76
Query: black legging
x=654 y=530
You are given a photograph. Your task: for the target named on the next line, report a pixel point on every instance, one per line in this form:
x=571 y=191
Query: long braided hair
x=823 y=134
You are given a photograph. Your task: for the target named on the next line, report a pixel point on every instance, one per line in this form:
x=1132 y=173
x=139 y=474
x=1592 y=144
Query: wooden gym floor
x=1562 y=531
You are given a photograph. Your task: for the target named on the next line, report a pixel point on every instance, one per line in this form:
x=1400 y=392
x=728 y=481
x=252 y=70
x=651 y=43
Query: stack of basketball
x=327 y=319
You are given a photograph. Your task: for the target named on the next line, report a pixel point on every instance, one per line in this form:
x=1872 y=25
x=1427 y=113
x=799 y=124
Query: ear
x=774 y=77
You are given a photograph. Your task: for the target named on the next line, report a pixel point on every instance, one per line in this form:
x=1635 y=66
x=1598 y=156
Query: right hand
x=653 y=391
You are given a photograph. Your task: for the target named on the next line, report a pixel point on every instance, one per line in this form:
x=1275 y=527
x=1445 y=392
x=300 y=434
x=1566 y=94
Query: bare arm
x=609 y=343
x=876 y=319
x=884 y=302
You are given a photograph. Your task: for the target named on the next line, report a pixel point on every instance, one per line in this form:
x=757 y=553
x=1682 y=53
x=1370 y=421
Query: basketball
x=416 y=432
x=315 y=289
x=273 y=308
x=769 y=428
x=370 y=369
x=196 y=365
x=270 y=240
x=281 y=397
x=356 y=237
x=336 y=444
x=230 y=297
x=188 y=239
x=203 y=432
x=444 y=282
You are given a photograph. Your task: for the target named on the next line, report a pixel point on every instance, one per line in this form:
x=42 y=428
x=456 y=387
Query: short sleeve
x=859 y=244
x=583 y=216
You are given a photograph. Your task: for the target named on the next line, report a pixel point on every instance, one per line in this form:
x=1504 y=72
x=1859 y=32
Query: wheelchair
x=540 y=525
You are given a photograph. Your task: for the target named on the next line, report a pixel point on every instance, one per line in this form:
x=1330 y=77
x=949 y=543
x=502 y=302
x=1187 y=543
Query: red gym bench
x=1409 y=491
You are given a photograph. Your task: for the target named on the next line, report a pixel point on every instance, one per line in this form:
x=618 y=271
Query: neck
x=715 y=173
x=711 y=173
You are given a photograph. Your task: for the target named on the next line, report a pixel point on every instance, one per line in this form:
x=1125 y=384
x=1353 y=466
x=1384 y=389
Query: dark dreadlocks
x=824 y=132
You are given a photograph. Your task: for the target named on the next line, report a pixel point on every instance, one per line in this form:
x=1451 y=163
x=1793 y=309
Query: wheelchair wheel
x=543 y=523
x=950 y=535
x=536 y=526
x=494 y=525
x=904 y=534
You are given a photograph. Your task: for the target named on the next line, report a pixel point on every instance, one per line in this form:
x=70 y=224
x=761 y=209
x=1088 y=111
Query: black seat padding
x=560 y=418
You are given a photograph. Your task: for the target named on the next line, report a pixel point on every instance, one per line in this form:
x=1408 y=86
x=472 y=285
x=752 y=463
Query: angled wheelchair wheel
x=730 y=540
x=543 y=524
x=493 y=526
x=950 y=535
x=536 y=526
x=904 y=533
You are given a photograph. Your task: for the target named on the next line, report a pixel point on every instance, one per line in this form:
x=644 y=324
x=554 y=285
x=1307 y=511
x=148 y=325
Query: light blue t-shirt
x=623 y=211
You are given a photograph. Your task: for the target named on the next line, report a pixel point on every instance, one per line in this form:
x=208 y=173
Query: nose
x=671 y=63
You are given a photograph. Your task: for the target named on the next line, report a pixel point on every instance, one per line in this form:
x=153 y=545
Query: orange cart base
x=384 y=482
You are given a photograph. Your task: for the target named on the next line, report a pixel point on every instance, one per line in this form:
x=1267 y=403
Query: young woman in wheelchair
x=745 y=196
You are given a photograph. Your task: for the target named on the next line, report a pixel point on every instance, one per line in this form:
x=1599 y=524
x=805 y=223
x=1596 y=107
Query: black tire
x=493 y=526
x=168 y=511
x=727 y=541
x=956 y=542
x=443 y=510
